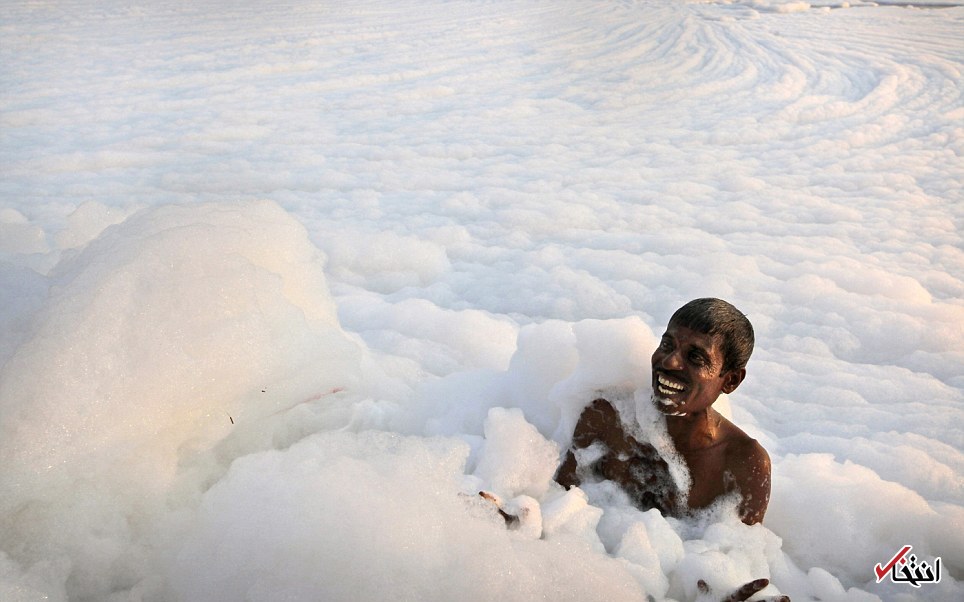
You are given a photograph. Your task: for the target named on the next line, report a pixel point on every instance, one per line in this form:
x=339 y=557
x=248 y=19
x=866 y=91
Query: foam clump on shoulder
x=556 y=370
x=559 y=367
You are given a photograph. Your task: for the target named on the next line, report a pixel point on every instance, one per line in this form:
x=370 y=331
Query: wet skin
x=688 y=377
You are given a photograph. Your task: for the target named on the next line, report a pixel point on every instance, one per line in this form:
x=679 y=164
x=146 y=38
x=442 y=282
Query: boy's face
x=688 y=371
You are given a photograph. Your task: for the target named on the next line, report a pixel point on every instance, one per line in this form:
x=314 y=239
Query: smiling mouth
x=666 y=386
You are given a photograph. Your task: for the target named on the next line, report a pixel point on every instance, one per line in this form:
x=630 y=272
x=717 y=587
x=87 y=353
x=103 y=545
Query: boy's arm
x=596 y=421
x=750 y=466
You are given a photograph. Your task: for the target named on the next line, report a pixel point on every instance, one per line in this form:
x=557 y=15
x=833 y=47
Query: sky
x=284 y=286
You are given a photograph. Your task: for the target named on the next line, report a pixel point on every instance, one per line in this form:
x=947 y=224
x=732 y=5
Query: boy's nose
x=671 y=361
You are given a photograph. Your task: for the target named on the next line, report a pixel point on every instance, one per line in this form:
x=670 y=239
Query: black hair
x=717 y=317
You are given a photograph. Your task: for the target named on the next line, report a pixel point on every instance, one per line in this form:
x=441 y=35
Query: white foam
x=516 y=459
x=514 y=198
x=162 y=337
x=343 y=516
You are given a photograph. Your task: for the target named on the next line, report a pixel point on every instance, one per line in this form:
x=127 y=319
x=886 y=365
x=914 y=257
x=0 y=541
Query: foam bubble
x=516 y=459
x=157 y=340
x=343 y=516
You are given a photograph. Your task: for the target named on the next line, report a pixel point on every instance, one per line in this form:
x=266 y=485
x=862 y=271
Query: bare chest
x=646 y=477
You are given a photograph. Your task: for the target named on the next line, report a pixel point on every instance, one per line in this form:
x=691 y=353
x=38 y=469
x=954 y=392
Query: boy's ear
x=732 y=380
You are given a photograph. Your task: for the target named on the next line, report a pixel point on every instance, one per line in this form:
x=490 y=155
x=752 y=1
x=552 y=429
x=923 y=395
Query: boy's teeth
x=668 y=386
